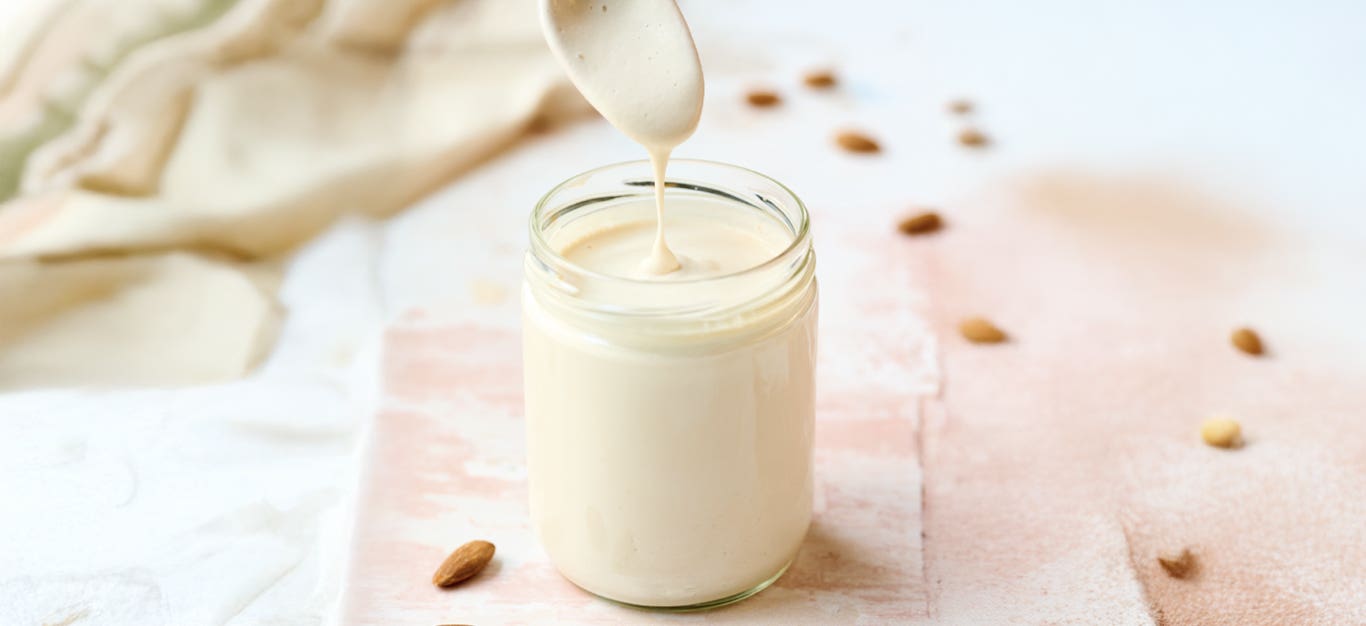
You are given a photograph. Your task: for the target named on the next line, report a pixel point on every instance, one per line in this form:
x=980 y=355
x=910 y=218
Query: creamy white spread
x=635 y=62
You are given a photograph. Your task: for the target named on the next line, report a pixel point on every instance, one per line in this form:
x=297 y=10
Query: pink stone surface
x=444 y=464
x=1033 y=482
x=1060 y=465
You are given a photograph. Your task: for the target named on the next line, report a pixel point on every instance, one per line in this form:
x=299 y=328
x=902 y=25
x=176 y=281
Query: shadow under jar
x=670 y=418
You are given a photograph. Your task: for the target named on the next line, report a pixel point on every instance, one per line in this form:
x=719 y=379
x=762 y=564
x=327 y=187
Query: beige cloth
x=213 y=149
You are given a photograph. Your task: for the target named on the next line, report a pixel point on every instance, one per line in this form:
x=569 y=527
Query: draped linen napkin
x=158 y=157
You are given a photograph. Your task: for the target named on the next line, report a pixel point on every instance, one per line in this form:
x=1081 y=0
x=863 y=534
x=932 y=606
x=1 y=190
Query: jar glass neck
x=570 y=289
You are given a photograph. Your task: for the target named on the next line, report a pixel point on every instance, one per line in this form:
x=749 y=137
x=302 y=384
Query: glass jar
x=669 y=422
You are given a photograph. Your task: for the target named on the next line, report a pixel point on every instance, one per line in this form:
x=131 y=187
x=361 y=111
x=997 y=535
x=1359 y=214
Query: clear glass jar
x=669 y=423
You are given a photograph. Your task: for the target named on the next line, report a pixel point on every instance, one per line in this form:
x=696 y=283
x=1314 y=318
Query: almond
x=819 y=79
x=465 y=562
x=979 y=330
x=1178 y=566
x=972 y=138
x=763 y=98
x=920 y=223
x=1222 y=432
x=857 y=142
x=960 y=106
x=1246 y=340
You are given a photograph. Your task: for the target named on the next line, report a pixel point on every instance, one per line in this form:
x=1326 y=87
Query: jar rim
x=540 y=247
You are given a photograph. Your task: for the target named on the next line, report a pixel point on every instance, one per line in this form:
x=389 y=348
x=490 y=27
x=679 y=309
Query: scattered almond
x=921 y=223
x=819 y=79
x=465 y=562
x=960 y=106
x=857 y=142
x=763 y=98
x=979 y=330
x=972 y=138
x=1222 y=432
x=1178 y=566
x=1246 y=340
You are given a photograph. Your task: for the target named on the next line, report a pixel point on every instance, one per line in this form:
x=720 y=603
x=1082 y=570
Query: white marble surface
x=224 y=504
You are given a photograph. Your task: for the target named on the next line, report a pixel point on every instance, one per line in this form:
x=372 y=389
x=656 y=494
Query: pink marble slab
x=444 y=464
x=1060 y=465
x=1032 y=482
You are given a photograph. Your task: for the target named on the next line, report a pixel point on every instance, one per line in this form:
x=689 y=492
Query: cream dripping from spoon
x=635 y=62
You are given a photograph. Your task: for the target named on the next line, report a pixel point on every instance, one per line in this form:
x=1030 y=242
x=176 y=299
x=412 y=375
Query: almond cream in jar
x=670 y=416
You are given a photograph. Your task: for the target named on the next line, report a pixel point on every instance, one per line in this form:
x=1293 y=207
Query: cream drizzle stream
x=635 y=62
